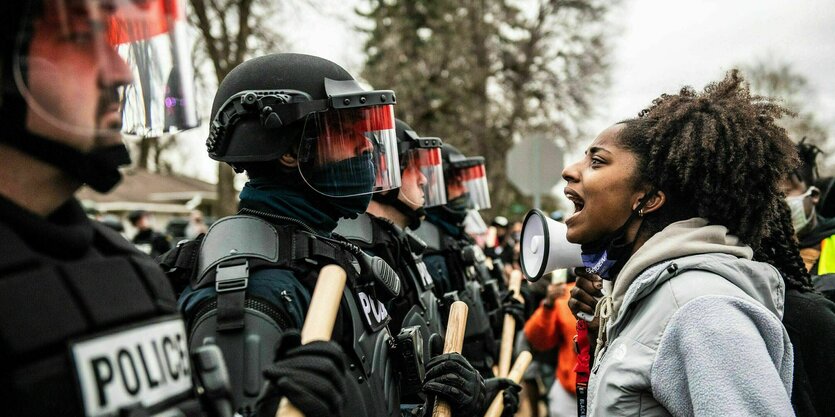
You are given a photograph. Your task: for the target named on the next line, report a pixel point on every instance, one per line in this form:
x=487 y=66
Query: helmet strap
x=98 y=168
x=392 y=199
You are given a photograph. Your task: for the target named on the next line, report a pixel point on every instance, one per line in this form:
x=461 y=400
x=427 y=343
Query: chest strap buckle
x=233 y=277
x=230 y=282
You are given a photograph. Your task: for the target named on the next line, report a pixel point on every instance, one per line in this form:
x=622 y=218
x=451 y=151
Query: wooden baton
x=509 y=328
x=321 y=315
x=455 y=329
x=515 y=375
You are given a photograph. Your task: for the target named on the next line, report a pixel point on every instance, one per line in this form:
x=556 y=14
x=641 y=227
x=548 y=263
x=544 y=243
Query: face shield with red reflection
x=423 y=157
x=473 y=176
x=350 y=148
x=129 y=61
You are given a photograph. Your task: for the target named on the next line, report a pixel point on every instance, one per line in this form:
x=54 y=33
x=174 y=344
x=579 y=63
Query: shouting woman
x=670 y=208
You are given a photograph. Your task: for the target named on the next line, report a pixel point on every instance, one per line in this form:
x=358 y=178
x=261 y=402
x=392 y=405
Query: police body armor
x=98 y=336
x=417 y=307
x=247 y=328
x=459 y=261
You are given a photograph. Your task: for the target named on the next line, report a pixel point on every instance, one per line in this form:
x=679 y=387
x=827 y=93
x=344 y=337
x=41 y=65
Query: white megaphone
x=544 y=247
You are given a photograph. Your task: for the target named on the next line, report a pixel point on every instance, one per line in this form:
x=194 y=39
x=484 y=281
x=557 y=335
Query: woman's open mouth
x=576 y=200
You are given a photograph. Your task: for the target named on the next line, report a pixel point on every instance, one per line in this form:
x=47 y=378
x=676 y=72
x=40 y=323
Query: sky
x=658 y=46
x=667 y=44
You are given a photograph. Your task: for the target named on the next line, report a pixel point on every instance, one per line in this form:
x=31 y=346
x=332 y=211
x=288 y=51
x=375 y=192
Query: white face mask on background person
x=798 y=209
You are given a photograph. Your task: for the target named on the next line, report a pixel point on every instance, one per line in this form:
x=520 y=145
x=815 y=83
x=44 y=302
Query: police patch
x=425 y=277
x=376 y=315
x=145 y=364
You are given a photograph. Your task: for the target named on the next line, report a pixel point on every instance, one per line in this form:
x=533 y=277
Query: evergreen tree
x=482 y=74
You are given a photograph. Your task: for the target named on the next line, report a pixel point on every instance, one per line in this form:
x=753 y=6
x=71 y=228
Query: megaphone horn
x=544 y=246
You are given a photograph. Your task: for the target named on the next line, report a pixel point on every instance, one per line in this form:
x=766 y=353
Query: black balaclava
x=391 y=198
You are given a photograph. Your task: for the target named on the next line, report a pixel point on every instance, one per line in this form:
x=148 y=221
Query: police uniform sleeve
x=277 y=287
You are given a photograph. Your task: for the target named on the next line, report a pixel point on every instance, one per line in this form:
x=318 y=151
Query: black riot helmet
x=341 y=135
x=78 y=74
x=420 y=166
x=423 y=155
x=467 y=174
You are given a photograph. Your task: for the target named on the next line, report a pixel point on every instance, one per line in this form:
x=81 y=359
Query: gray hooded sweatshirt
x=693 y=330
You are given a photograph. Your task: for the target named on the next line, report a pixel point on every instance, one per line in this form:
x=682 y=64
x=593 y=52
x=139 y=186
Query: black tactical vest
x=246 y=328
x=92 y=336
x=417 y=306
x=463 y=266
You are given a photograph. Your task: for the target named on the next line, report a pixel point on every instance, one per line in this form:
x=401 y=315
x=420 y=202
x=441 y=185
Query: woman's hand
x=584 y=296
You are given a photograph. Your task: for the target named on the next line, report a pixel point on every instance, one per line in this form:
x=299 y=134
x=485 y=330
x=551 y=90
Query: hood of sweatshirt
x=694 y=244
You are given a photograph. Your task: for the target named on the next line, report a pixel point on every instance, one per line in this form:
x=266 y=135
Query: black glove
x=492 y=386
x=515 y=308
x=510 y=306
x=311 y=376
x=452 y=378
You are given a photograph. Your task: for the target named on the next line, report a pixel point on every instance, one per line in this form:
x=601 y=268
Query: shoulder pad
x=15 y=250
x=430 y=234
x=417 y=244
x=237 y=237
x=113 y=238
x=360 y=229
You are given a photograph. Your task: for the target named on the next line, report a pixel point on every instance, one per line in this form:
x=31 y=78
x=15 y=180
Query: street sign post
x=534 y=166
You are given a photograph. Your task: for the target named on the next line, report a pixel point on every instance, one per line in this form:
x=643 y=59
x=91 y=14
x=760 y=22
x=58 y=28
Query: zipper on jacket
x=277 y=217
x=599 y=361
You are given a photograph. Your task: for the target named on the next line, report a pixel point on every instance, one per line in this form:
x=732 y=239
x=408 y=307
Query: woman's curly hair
x=717 y=154
x=780 y=249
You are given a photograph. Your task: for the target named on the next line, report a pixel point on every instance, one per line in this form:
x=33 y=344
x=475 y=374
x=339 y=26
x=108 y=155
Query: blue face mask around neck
x=606 y=256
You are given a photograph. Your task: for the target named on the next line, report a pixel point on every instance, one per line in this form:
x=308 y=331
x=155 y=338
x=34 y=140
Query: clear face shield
x=98 y=68
x=350 y=151
x=473 y=177
x=424 y=163
x=428 y=162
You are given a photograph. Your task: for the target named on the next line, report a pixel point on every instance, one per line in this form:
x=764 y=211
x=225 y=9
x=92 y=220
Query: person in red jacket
x=553 y=325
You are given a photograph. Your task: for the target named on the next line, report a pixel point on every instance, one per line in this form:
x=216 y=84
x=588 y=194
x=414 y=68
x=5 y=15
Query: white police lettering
x=424 y=274
x=145 y=364
x=375 y=311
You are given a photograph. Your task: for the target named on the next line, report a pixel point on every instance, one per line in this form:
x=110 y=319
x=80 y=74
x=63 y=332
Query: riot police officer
x=385 y=230
x=381 y=231
x=88 y=324
x=315 y=147
x=458 y=266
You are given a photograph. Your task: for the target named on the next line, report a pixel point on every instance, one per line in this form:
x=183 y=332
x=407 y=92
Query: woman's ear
x=289 y=160
x=655 y=202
